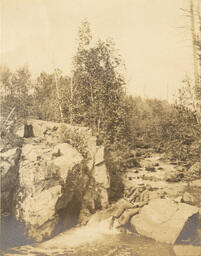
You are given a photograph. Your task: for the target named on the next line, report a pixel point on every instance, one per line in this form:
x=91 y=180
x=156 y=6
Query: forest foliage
x=95 y=97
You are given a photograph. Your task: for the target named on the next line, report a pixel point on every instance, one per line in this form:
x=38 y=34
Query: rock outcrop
x=60 y=181
x=167 y=221
x=42 y=179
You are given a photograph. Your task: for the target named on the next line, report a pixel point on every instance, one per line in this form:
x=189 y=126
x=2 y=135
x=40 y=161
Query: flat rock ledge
x=167 y=221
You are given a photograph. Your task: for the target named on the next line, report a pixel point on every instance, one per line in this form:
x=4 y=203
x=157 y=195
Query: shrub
x=75 y=137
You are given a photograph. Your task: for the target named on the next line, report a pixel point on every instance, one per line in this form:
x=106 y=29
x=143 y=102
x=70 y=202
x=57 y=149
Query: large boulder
x=59 y=183
x=42 y=178
x=101 y=176
x=166 y=221
x=99 y=172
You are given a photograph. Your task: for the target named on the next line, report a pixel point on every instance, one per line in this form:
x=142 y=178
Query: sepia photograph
x=100 y=127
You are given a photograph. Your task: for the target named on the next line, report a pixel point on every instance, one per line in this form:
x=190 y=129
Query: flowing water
x=97 y=239
x=94 y=240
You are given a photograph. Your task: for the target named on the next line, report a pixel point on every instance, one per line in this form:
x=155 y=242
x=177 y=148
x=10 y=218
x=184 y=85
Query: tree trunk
x=28 y=131
x=195 y=59
x=71 y=100
x=58 y=96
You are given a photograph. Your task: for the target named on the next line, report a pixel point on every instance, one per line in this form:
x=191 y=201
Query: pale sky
x=157 y=51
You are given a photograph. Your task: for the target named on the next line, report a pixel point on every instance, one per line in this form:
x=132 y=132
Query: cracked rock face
x=57 y=186
x=41 y=180
x=166 y=221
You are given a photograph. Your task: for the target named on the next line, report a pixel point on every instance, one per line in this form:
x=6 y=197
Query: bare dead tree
x=195 y=62
x=199 y=31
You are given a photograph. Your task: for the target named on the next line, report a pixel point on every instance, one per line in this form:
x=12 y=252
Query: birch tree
x=98 y=85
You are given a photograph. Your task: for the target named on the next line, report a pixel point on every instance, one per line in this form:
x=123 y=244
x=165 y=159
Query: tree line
x=95 y=96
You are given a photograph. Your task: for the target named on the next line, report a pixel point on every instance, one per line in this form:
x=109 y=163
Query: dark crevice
x=68 y=217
